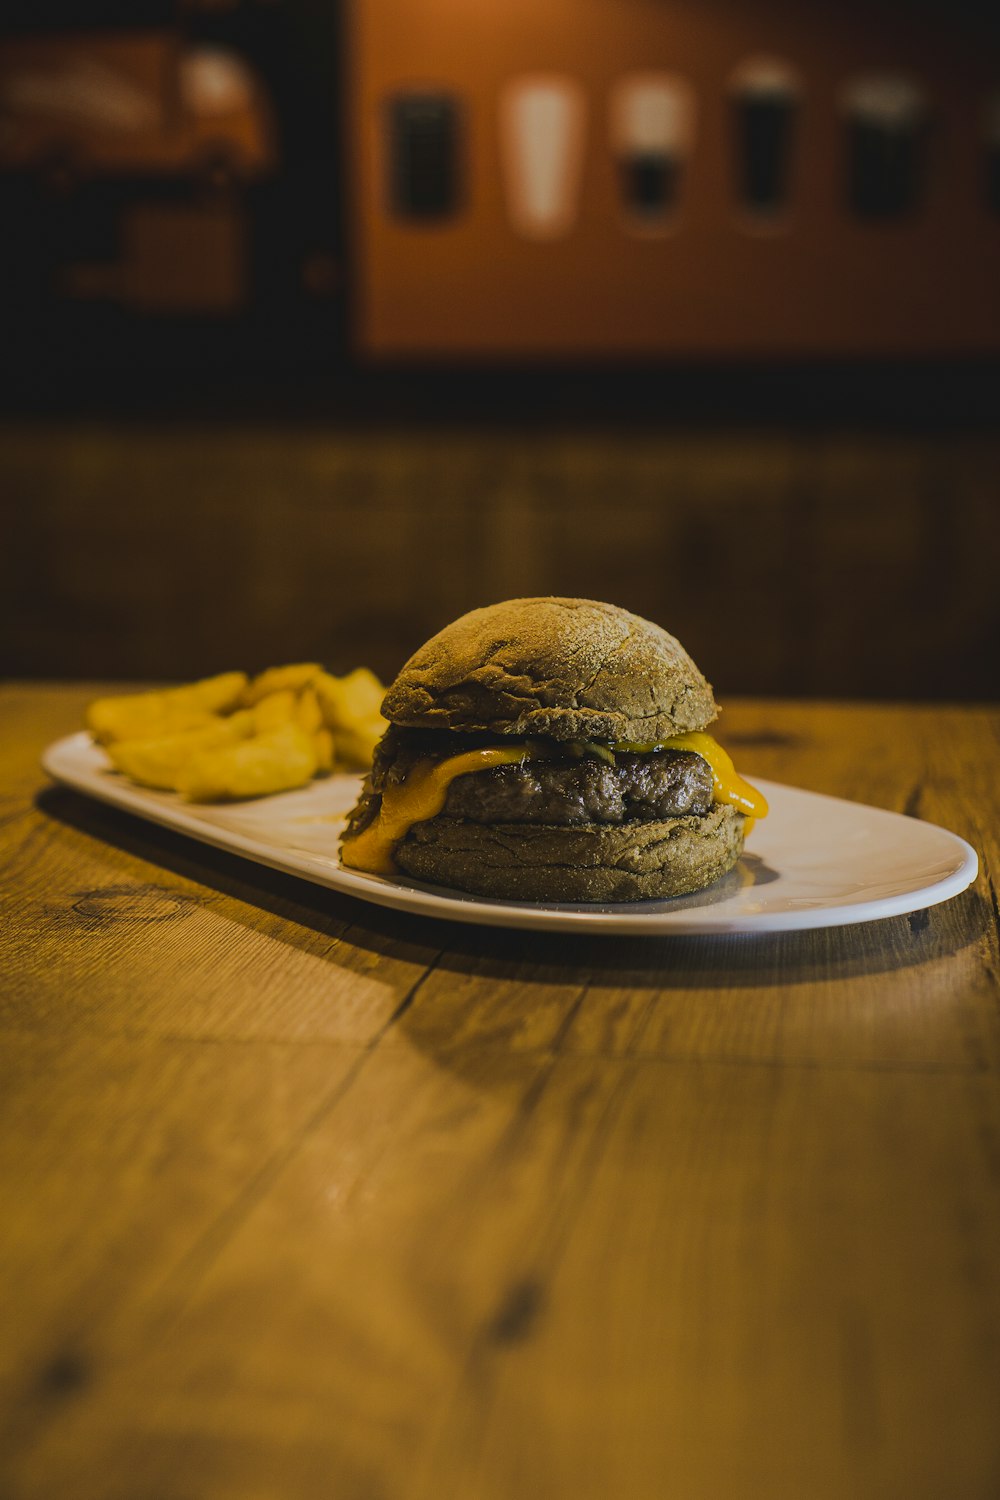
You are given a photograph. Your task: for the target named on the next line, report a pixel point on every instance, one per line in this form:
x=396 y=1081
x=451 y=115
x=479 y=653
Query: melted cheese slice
x=420 y=797
x=727 y=784
x=424 y=792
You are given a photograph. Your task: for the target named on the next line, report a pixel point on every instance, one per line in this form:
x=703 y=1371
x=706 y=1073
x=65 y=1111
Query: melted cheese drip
x=727 y=784
x=424 y=792
x=420 y=797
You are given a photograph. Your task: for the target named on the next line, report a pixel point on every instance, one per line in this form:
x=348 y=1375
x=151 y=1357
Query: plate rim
x=419 y=899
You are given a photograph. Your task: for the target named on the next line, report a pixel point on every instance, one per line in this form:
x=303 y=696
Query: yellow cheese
x=424 y=792
x=421 y=796
x=728 y=784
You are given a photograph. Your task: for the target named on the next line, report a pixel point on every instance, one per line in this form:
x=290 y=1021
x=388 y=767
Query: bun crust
x=565 y=668
x=522 y=862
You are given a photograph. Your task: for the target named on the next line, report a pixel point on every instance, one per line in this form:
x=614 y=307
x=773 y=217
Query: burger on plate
x=551 y=750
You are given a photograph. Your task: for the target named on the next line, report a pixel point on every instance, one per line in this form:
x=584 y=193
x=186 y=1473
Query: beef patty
x=565 y=793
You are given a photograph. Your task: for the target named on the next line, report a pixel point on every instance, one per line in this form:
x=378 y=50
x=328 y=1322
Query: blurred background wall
x=324 y=322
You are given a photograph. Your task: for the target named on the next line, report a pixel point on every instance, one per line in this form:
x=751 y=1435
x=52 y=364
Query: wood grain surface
x=791 y=563
x=301 y=1198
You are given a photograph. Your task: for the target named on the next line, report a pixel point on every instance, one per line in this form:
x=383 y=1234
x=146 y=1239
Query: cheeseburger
x=551 y=750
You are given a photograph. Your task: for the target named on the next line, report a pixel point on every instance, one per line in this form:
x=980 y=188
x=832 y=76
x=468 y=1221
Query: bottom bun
x=596 y=862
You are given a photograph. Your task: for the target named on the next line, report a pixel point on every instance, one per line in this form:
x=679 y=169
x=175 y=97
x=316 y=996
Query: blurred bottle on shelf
x=886 y=115
x=423 y=155
x=766 y=94
x=542 y=130
x=652 y=130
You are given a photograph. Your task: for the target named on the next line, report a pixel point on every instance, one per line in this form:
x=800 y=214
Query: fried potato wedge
x=274 y=710
x=325 y=753
x=232 y=736
x=159 y=762
x=308 y=713
x=279 y=680
x=136 y=716
x=350 y=707
x=351 y=700
x=356 y=746
x=277 y=761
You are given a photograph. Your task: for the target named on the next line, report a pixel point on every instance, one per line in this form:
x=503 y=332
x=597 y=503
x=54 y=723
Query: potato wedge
x=197 y=739
x=159 y=762
x=355 y=747
x=274 y=710
x=351 y=700
x=274 y=762
x=307 y=711
x=137 y=716
x=350 y=707
x=325 y=754
x=280 y=679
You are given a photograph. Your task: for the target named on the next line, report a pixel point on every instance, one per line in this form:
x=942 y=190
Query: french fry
x=159 y=762
x=274 y=762
x=307 y=711
x=295 y=722
x=350 y=707
x=356 y=746
x=274 y=710
x=137 y=716
x=348 y=701
x=280 y=679
x=325 y=754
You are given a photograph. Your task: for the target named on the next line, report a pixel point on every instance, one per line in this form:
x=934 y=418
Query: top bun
x=570 y=669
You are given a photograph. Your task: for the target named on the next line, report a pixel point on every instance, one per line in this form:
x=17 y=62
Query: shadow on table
x=717 y=959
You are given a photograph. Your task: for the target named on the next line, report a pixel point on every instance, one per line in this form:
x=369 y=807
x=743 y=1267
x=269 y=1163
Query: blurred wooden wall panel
x=816 y=565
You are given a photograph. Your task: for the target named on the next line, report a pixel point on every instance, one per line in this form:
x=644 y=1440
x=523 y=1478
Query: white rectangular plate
x=815 y=861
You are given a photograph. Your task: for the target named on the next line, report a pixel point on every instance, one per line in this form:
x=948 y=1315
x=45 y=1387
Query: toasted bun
x=567 y=668
x=521 y=862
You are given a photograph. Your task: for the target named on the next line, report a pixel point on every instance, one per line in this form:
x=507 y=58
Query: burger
x=551 y=750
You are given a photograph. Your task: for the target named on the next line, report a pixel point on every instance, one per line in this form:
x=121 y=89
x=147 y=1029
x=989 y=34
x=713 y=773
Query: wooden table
x=302 y=1198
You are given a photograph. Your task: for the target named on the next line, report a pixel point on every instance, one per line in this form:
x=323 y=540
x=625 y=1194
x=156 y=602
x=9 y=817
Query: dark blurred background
x=324 y=322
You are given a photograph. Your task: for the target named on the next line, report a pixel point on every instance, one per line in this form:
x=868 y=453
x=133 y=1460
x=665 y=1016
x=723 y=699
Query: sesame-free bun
x=596 y=862
x=569 y=669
